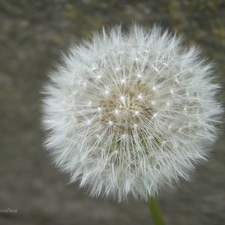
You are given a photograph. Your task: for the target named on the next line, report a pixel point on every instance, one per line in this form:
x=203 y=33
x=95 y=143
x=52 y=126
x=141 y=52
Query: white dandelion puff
x=131 y=113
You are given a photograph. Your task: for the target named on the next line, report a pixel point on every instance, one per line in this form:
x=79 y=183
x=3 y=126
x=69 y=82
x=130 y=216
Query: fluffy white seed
x=129 y=114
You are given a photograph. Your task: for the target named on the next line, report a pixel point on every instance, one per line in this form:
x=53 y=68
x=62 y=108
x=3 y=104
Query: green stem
x=155 y=211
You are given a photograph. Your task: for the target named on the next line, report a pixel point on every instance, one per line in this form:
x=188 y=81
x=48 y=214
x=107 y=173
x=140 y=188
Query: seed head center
x=127 y=107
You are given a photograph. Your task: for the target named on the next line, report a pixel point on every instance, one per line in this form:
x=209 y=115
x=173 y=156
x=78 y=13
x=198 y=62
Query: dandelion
x=131 y=113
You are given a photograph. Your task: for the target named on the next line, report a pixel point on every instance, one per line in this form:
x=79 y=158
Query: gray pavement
x=32 y=35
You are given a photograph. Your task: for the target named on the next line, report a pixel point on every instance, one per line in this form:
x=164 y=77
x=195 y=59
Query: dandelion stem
x=155 y=211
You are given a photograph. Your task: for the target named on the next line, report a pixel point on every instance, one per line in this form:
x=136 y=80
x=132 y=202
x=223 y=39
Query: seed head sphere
x=131 y=113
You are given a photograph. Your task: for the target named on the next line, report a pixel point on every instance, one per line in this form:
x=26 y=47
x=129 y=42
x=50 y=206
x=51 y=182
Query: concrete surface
x=32 y=35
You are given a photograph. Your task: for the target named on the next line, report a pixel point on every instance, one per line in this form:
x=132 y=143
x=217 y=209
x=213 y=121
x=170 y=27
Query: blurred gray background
x=32 y=35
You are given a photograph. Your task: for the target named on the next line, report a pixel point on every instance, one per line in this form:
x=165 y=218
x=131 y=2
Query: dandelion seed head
x=127 y=115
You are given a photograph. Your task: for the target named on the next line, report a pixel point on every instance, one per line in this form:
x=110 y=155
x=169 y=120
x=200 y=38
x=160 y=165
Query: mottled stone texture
x=32 y=35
